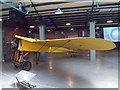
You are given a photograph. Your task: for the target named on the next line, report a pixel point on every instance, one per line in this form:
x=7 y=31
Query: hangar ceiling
x=78 y=13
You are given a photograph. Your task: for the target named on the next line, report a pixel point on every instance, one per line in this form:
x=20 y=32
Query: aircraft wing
x=65 y=45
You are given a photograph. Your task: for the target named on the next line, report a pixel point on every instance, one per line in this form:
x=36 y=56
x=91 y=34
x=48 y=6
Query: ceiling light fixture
x=29 y=31
x=58 y=11
x=72 y=29
x=97 y=27
x=48 y=30
x=16 y=28
x=62 y=32
x=32 y=26
x=109 y=21
x=0 y=19
x=68 y=24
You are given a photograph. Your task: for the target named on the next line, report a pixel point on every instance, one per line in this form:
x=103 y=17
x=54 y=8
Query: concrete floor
x=63 y=71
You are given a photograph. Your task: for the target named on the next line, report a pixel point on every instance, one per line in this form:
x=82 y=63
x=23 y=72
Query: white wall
x=1 y=52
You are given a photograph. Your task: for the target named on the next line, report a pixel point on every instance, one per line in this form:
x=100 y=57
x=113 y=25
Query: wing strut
x=62 y=45
x=42 y=46
x=20 y=41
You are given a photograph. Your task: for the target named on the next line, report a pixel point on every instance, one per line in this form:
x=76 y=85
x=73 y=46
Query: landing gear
x=19 y=61
x=16 y=64
x=26 y=65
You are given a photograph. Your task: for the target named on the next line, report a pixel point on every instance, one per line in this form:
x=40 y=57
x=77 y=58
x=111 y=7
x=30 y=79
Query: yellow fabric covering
x=64 y=45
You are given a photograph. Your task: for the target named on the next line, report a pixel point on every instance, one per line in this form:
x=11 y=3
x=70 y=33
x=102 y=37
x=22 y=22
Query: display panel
x=112 y=34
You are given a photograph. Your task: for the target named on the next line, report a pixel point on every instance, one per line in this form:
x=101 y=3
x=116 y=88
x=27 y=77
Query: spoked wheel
x=16 y=64
x=26 y=65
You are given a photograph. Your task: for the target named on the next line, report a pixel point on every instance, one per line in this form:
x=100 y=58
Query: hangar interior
x=61 y=70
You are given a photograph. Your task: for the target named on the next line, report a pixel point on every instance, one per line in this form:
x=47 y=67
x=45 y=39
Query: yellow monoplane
x=56 y=46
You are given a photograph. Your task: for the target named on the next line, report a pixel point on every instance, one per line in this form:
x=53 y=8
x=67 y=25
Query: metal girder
x=13 y=7
x=81 y=17
x=80 y=27
x=67 y=12
x=74 y=13
x=53 y=23
x=75 y=17
x=77 y=23
x=39 y=4
x=119 y=15
x=78 y=7
x=84 y=16
x=114 y=13
x=85 y=13
x=90 y=14
x=82 y=12
x=49 y=3
x=40 y=18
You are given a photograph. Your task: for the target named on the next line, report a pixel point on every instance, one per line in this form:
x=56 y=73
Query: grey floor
x=63 y=71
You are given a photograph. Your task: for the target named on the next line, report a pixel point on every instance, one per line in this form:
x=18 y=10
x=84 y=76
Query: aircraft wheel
x=16 y=64
x=26 y=65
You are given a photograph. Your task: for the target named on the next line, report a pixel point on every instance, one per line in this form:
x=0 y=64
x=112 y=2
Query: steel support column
x=42 y=32
x=92 y=35
x=42 y=37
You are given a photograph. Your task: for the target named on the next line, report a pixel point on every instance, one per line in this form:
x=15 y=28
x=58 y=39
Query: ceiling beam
x=39 y=4
x=78 y=7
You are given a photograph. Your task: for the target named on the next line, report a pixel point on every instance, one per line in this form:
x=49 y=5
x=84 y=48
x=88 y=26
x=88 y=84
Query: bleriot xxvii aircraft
x=55 y=46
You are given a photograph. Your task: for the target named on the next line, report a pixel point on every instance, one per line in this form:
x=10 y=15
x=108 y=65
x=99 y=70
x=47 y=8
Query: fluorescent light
x=58 y=11
x=62 y=32
x=29 y=31
x=0 y=19
x=110 y=21
x=68 y=24
x=16 y=28
x=48 y=30
x=32 y=26
x=97 y=27
x=72 y=29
